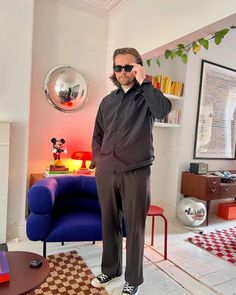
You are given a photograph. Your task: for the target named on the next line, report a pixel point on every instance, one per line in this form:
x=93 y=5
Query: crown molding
x=85 y=6
x=100 y=8
x=109 y=5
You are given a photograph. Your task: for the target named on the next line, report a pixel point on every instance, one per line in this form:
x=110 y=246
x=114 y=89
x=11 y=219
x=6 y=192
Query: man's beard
x=126 y=81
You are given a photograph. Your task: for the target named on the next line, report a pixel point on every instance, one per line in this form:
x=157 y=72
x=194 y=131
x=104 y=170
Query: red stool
x=158 y=211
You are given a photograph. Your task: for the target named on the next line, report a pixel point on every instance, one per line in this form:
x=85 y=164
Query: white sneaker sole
x=127 y=294
x=95 y=282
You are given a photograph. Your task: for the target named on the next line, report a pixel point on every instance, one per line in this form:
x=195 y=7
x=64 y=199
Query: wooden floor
x=188 y=270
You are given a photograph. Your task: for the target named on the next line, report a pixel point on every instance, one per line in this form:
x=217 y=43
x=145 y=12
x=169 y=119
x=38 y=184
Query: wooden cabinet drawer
x=213 y=181
x=212 y=192
x=212 y=188
x=227 y=190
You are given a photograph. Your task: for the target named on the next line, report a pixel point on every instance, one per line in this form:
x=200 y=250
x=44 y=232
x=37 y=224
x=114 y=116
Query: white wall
x=174 y=146
x=147 y=25
x=165 y=170
x=152 y=23
x=64 y=34
x=16 y=25
x=225 y=55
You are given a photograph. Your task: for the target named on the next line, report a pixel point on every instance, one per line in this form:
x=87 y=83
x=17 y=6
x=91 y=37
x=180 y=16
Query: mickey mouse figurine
x=58 y=148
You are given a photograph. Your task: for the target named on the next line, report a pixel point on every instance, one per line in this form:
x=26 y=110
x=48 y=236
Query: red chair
x=158 y=211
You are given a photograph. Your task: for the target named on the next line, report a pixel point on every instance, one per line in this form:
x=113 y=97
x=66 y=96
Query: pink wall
x=63 y=35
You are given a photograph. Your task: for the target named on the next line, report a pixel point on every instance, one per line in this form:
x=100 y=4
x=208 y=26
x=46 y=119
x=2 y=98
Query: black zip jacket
x=122 y=138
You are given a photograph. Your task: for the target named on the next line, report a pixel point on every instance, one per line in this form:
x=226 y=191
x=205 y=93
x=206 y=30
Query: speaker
x=199 y=168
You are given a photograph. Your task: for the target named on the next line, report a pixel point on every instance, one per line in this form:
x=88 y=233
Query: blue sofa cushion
x=76 y=195
x=38 y=226
x=76 y=226
x=85 y=185
x=41 y=196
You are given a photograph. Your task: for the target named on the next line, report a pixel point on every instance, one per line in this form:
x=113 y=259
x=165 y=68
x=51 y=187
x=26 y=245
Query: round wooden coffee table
x=23 y=278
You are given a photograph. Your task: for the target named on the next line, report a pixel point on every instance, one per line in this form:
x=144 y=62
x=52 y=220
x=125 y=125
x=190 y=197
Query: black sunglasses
x=127 y=68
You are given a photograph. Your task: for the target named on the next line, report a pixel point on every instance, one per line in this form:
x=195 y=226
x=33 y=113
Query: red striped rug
x=221 y=243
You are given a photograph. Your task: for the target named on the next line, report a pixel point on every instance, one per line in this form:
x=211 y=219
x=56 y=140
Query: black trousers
x=124 y=195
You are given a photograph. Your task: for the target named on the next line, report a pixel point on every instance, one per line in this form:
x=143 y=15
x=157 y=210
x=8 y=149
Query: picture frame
x=215 y=133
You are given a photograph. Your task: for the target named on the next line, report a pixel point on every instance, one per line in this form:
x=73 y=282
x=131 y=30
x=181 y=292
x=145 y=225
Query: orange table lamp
x=82 y=156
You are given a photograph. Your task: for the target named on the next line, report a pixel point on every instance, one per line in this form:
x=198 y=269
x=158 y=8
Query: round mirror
x=65 y=88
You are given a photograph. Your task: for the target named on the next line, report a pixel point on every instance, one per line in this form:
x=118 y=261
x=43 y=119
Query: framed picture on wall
x=215 y=135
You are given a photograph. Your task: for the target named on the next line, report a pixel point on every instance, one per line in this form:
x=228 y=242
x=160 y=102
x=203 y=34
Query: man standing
x=123 y=151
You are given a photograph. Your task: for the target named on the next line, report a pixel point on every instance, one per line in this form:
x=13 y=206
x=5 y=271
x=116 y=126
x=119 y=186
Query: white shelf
x=173 y=97
x=160 y=124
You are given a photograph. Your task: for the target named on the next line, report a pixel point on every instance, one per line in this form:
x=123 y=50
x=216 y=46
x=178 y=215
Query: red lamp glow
x=83 y=156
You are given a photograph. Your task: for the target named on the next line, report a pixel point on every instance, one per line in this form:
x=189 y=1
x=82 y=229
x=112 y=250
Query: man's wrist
x=140 y=81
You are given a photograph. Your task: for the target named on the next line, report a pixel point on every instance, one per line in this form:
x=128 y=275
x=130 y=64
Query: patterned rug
x=221 y=243
x=69 y=275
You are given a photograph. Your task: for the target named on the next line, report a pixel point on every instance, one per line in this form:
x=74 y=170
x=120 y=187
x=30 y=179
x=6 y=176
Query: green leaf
x=226 y=31
x=149 y=62
x=183 y=50
x=222 y=33
x=179 y=52
x=181 y=46
x=158 y=62
x=217 y=40
x=201 y=41
x=167 y=54
x=205 y=44
x=172 y=54
x=184 y=58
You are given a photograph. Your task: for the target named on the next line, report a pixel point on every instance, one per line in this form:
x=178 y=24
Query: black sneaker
x=129 y=290
x=101 y=280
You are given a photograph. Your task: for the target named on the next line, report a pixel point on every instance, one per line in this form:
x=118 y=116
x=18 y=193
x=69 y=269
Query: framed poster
x=215 y=135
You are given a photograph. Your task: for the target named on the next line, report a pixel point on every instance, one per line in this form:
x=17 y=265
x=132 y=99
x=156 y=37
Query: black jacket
x=122 y=138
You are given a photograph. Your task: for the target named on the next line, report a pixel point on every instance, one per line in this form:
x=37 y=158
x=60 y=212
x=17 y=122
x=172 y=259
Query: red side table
x=158 y=211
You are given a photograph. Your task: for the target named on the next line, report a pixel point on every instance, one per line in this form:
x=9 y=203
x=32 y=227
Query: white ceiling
x=103 y=7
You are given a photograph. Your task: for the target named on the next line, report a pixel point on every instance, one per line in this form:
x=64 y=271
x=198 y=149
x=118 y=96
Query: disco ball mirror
x=191 y=211
x=65 y=88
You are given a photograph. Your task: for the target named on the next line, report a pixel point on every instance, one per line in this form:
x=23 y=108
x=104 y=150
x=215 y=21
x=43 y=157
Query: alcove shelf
x=173 y=97
x=166 y=125
x=167 y=136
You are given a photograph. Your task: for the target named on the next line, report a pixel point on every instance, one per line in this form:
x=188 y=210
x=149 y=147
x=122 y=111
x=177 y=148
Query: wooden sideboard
x=34 y=177
x=207 y=187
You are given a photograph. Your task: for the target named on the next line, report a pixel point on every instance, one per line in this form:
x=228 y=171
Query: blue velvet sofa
x=64 y=209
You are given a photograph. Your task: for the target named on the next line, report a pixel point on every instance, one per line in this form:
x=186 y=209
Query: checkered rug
x=69 y=275
x=221 y=243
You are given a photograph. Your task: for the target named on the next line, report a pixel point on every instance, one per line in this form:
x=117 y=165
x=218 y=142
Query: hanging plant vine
x=182 y=50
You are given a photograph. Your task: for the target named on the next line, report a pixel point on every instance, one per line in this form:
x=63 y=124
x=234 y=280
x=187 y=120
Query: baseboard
x=16 y=231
